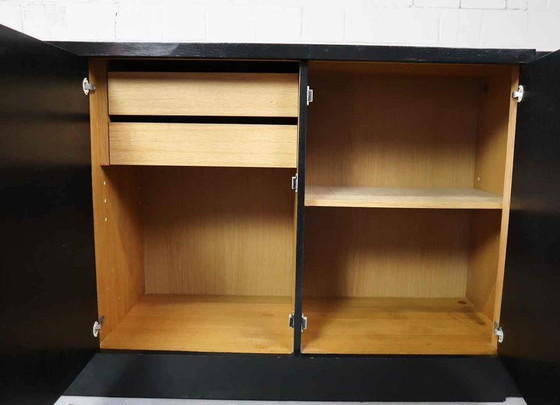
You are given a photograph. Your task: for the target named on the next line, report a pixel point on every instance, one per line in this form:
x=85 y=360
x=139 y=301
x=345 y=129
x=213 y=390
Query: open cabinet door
x=47 y=270
x=530 y=315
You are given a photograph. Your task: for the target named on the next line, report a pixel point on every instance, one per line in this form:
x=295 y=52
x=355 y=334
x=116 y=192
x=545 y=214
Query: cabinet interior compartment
x=190 y=261
x=408 y=177
x=400 y=281
x=194 y=213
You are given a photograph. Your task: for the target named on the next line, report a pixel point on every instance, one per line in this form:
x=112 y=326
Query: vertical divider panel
x=300 y=205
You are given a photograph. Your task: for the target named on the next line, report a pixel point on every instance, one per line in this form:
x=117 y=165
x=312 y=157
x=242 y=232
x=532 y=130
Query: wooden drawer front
x=235 y=145
x=204 y=94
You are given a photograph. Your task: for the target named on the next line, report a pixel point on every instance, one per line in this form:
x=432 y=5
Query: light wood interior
x=204 y=94
x=395 y=326
x=436 y=142
x=212 y=231
x=194 y=258
x=205 y=324
x=383 y=197
x=408 y=179
x=208 y=265
x=229 y=145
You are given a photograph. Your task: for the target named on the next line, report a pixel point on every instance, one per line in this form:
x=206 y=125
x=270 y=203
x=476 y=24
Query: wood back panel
x=364 y=252
x=218 y=231
x=233 y=145
x=204 y=94
x=370 y=129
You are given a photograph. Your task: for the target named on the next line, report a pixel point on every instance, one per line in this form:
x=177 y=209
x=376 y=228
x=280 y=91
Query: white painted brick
x=91 y=21
x=449 y=27
x=538 y=5
x=45 y=21
x=544 y=30
x=553 y=5
x=503 y=29
x=438 y=3
x=10 y=15
x=278 y=24
x=409 y=26
x=470 y=23
x=139 y=22
x=362 y=23
x=486 y=4
x=517 y=4
x=391 y=3
x=183 y=22
x=230 y=24
x=323 y=21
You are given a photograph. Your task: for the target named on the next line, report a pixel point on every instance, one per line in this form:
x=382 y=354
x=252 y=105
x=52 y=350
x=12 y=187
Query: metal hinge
x=87 y=86
x=309 y=95
x=499 y=332
x=97 y=325
x=295 y=182
x=292 y=322
x=518 y=94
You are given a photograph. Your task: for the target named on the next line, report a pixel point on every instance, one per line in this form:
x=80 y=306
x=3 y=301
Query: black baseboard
x=304 y=378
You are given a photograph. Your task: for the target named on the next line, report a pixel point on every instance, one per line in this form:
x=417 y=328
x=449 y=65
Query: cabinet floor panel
x=372 y=197
x=231 y=324
x=395 y=326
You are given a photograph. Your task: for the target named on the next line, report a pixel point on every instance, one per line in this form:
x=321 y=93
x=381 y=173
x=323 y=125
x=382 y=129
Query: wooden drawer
x=203 y=94
x=228 y=145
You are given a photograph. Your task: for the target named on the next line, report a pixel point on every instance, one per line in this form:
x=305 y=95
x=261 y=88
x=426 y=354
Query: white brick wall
x=450 y=23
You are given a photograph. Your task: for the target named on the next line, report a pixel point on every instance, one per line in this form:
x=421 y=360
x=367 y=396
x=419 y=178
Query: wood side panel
x=219 y=231
x=204 y=94
x=368 y=197
x=117 y=224
x=494 y=166
x=99 y=115
x=483 y=263
x=234 y=145
x=362 y=252
x=507 y=198
x=381 y=130
x=395 y=326
x=492 y=137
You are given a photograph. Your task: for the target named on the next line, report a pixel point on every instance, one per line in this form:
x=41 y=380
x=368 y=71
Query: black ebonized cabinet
x=329 y=229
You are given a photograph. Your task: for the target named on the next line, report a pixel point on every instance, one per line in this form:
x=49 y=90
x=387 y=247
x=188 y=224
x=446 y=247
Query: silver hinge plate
x=87 y=86
x=97 y=325
x=499 y=332
x=292 y=322
x=309 y=95
x=295 y=183
x=518 y=94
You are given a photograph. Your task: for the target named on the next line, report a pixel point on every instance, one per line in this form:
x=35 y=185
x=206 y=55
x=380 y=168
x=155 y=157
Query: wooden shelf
x=365 y=197
x=232 y=324
x=395 y=326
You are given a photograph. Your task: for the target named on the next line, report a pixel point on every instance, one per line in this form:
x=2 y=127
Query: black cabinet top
x=299 y=52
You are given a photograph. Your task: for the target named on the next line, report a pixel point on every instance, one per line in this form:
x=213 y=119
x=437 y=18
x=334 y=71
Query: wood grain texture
x=510 y=145
x=99 y=115
x=368 y=197
x=234 y=145
x=368 y=129
x=117 y=217
x=483 y=263
x=203 y=94
x=492 y=138
x=219 y=231
x=206 y=324
x=362 y=252
x=395 y=326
